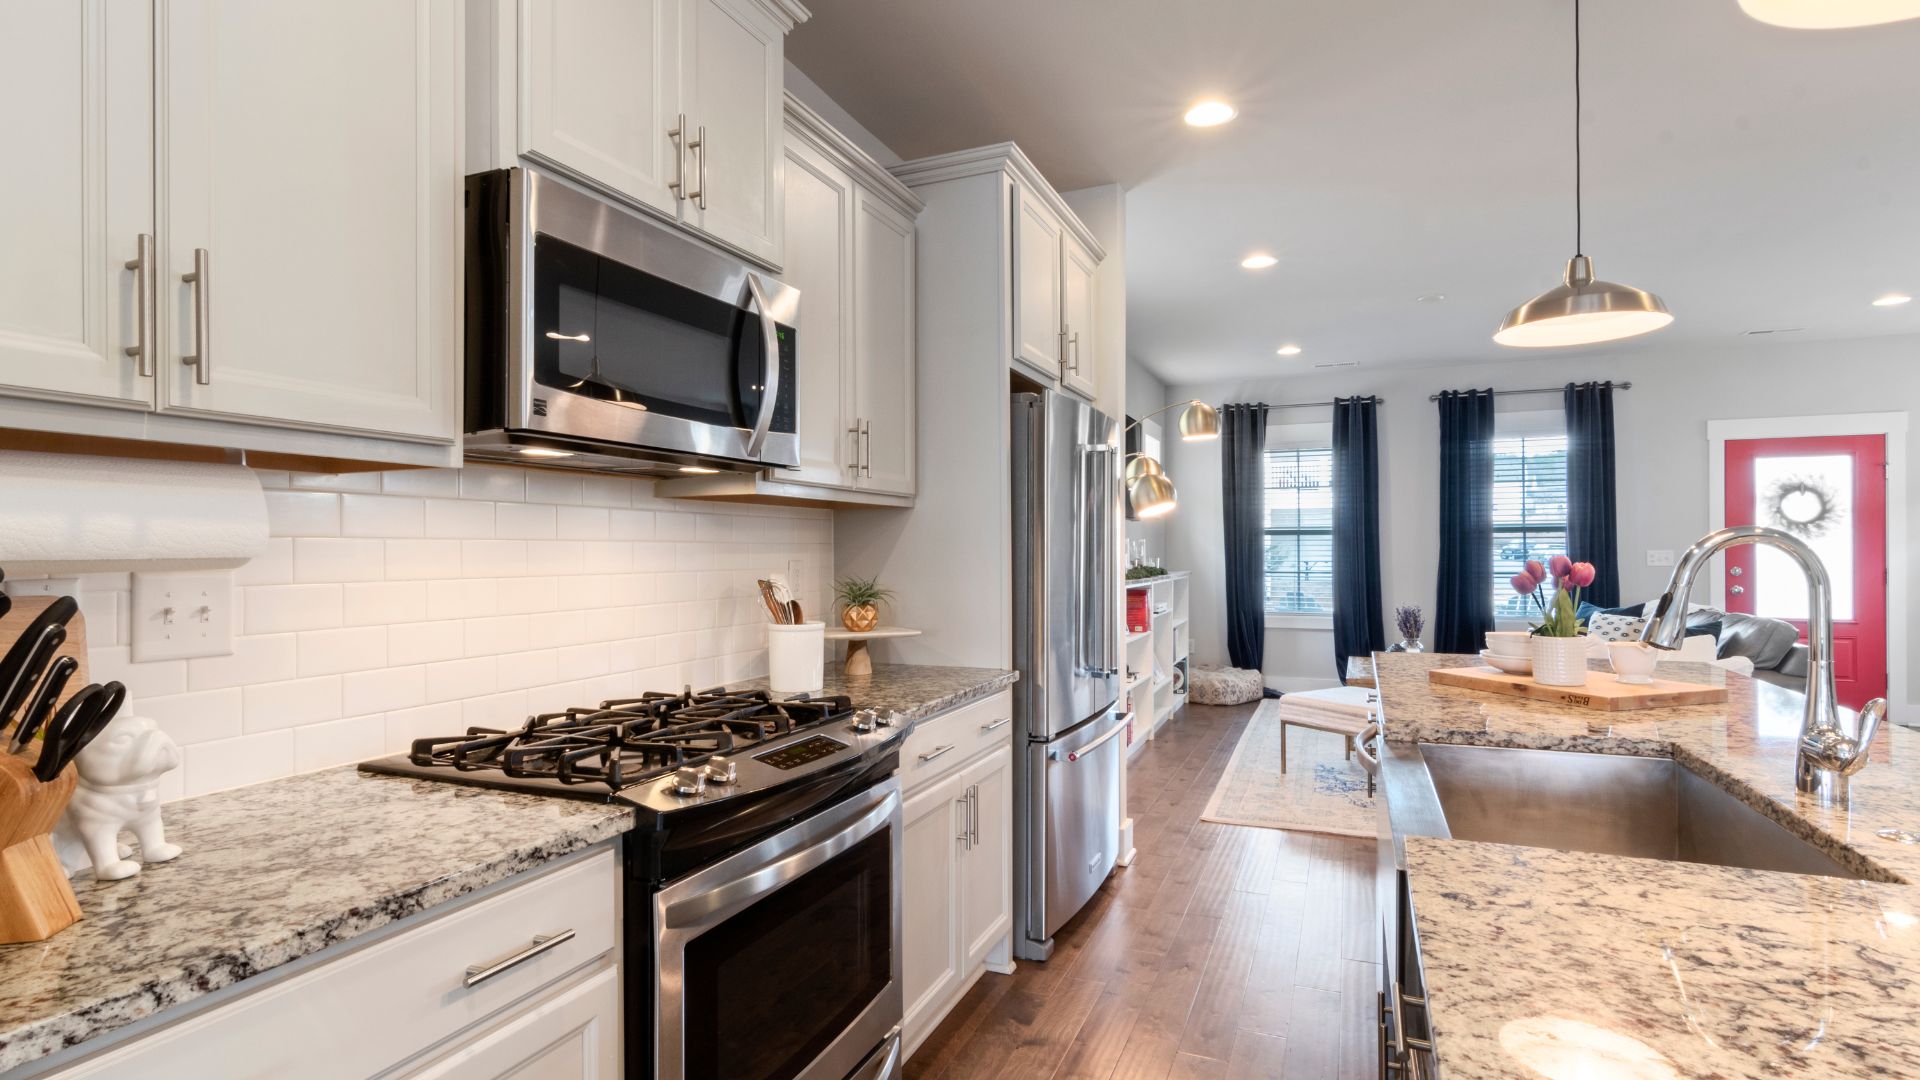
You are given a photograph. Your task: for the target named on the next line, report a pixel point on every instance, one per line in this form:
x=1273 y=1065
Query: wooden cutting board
x=1604 y=690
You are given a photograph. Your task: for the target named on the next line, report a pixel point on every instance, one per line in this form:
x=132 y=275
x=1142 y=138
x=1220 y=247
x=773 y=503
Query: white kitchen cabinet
x=391 y=1005
x=850 y=230
x=673 y=106
x=600 y=93
x=241 y=227
x=1036 y=284
x=78 y=80
x=311 y=198
x=957 y=907
x=883 y=343
x=1078 y=355
x=733 y=106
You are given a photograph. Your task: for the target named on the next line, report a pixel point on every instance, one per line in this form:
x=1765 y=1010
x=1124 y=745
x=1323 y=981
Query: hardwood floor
x=1222 y=953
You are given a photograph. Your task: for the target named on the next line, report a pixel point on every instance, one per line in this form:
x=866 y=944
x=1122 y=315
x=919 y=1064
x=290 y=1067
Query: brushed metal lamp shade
x=1152 y=496
x=1199 y=423
x=1139 y=465
x=1582 y=310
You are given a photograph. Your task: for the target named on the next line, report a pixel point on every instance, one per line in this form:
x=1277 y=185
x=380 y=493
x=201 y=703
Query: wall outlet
x=1660 y=557
x=49 y=586
x=177 y=616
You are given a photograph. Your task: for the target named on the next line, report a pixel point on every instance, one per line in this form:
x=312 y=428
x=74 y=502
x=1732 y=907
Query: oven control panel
x=806 y=750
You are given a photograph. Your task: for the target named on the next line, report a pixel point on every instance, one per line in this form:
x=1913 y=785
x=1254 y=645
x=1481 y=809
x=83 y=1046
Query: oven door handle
x=742 y=891
x=770 y=377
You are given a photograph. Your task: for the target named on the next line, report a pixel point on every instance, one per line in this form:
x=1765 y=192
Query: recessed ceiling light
x=1431 y=298
x=1210 y=113
x=1258 y=262
x=1830 y=14
x=1288 y=350
x=1892 y=299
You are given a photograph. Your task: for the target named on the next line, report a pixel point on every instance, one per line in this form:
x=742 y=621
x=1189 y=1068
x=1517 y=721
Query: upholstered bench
x=1343 y=710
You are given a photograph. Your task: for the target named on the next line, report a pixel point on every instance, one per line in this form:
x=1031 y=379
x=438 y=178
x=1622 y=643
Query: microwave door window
x=608 y=331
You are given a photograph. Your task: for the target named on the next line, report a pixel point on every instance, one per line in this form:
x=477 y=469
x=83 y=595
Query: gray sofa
x=1773 y=646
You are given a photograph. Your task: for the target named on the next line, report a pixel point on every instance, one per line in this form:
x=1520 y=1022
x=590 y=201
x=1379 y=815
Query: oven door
x=632 y=334
x=782 y=962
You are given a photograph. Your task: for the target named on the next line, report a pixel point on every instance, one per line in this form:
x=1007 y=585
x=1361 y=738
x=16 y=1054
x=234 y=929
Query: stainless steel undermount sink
x=1651 y=808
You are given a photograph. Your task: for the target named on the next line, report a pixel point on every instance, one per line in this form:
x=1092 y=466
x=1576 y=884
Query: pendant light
x=1582 y=309
x=1830 y=14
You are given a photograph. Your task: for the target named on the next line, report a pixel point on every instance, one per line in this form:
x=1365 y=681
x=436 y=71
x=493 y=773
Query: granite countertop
x=282 y=869
x=1542 y=961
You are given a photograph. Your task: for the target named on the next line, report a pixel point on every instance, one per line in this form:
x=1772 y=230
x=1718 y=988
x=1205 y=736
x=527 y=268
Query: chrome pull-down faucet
x=1827 y=754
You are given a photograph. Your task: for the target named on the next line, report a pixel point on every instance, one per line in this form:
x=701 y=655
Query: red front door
x=1830 y=491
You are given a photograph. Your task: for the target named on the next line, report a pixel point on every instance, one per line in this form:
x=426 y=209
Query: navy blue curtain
x=1357 y=626
x=1463 y=604
x=1243 y=444
x=1592 y=535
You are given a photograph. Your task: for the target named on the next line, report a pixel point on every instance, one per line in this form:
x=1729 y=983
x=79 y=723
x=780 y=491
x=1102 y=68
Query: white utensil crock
x=796 y=657
x=1559 y=661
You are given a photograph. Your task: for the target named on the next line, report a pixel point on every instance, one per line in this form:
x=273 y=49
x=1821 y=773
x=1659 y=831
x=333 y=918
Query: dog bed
x=1213 y=685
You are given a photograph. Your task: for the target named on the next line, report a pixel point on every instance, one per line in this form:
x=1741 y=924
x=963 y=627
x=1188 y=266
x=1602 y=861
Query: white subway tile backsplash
x=393 y=606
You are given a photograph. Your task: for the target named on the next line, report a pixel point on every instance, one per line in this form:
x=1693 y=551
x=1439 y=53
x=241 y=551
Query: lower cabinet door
x=929 y=907
x=574 y=1035
x=986 y=866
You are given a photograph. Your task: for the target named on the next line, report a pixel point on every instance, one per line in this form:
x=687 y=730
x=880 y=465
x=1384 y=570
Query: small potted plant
x=1408 y=619
x=1558 y=643
x=860 y=600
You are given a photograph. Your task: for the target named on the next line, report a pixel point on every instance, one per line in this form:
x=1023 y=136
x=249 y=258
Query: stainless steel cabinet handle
x=965 y=802
x=678 y=185
x=866 y=448
x=935 y=752
x=1076 y=755
x=146 y=298
x=973 y=814
x=855 y=432
x=997 y=724
x=202 y=360
x=699 y=147
x=770 y=379
x=1074 y=344
x=480 y=973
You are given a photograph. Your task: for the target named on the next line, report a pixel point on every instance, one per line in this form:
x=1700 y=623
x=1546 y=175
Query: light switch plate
x=180 y=615
x=1660 y=557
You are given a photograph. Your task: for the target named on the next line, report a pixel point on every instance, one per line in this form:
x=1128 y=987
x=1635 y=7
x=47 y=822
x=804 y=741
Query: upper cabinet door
x=883 y=344
x=600 y=93
x=77 y=76
x=734 y=50
x=819 y=197
x=1036 y=285
x=1077 y=358
x=312 y=214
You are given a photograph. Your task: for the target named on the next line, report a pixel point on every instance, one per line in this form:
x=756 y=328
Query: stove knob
x=886 y=719
x=866 y=720
x=721 y=771
x=690 y=780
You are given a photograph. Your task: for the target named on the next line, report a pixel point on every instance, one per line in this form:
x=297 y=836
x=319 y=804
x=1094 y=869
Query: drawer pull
x=997 y=724
x=480 y=973
x=935 y=752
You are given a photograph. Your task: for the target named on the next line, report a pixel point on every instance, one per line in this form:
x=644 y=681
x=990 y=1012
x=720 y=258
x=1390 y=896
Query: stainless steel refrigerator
x=1068 y=750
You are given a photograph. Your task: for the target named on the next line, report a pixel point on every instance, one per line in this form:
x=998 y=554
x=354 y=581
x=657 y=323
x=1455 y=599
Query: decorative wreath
x=1807 y=506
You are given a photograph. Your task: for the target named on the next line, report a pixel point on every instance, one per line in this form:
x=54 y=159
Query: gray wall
x=1662 y=469
x=1145 y=393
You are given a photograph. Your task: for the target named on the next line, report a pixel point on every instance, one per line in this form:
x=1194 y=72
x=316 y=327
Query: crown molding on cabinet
x=789 y=13
x=1006 y=158
x=828 y=139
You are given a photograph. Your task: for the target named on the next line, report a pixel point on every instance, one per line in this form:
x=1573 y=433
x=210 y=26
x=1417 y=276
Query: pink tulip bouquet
x=1558 y=617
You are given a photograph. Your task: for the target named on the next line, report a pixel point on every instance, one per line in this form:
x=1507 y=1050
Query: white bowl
x=1512 y=665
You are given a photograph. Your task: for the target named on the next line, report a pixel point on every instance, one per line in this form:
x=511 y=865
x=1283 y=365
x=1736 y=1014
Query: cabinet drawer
x=382 y=1004
x=945 y=742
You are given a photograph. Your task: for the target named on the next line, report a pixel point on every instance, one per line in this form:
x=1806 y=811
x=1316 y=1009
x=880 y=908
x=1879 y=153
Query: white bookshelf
x=1156 y=657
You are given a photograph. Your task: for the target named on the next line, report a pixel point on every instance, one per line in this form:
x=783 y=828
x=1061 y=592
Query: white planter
x=1559 y=661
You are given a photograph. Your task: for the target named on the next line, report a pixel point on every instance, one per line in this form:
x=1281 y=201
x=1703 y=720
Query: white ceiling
x=1754 y=177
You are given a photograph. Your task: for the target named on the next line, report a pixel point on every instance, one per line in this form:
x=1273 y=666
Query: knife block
x=36 y=902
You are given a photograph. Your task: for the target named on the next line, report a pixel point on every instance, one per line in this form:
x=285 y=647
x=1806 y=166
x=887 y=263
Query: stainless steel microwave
x=600 y=339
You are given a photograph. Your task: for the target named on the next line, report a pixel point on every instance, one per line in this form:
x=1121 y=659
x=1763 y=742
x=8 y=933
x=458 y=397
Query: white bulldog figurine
x=119 y=788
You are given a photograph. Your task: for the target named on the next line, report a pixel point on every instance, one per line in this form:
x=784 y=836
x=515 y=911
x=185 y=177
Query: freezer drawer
x=1075 y=822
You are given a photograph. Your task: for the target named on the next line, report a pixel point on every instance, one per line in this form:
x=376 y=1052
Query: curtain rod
x=1540 y=390
x=1322 y=404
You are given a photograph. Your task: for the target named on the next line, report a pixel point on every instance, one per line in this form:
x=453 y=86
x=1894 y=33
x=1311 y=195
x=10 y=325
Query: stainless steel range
x=764 y=869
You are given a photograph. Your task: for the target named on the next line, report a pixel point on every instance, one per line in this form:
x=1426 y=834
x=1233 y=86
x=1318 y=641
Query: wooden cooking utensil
x=36 y=902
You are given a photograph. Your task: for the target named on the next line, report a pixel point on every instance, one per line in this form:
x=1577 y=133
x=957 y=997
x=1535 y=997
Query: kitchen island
x=1540 y=962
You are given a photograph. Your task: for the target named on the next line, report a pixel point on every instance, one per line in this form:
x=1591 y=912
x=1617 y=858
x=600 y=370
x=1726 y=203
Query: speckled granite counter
x=283 y=869
x=271 y=873
x=1539 y=962
x=914 y=690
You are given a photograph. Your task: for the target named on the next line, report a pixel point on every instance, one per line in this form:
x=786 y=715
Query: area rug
x=1321 y=791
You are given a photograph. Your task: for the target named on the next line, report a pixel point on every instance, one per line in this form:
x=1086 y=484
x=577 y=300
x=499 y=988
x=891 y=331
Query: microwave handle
x=770 y=378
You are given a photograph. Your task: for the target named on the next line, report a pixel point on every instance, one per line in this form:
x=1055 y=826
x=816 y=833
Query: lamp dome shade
x=1582 y=311
x=1199 y=423
x=1152 y=496
x=1830 y=14
x=1141 y=465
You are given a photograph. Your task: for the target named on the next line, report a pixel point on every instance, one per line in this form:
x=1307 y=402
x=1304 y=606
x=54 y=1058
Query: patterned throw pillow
x=1616 y=627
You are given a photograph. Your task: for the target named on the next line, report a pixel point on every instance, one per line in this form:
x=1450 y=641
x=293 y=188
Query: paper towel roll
x=74 y=514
